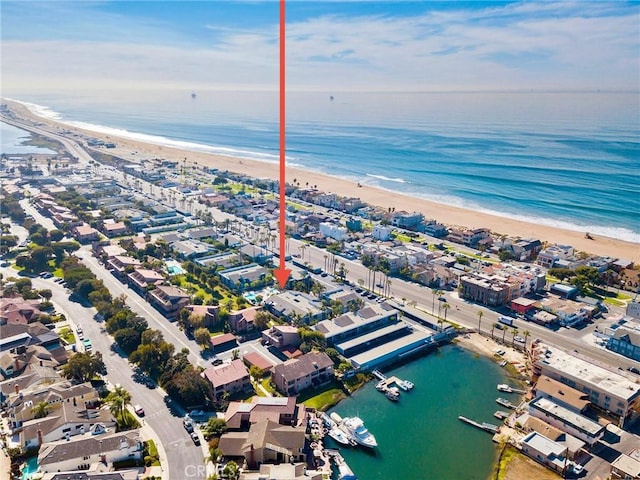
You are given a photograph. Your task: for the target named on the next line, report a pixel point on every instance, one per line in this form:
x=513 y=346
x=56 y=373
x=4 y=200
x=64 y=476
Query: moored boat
x=340 y=436
x=355 y=427
x=391 y=395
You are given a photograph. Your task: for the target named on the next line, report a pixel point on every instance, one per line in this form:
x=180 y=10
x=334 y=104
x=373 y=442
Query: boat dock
x=501 y=414
x=487 y=427
x=385 y=383
x=505 y=403
x=509 y=389
x=344 y=471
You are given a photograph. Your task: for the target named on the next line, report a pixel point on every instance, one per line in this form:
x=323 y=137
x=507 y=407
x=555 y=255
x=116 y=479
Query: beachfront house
x=552 y=455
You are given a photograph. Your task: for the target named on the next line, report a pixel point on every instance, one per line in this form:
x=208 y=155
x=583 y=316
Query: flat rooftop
x=589 y=373
x=567 y=416
x=396 y=327
x=414 y=339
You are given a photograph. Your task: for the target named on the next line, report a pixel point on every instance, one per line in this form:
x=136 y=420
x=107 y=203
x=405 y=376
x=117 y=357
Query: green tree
x=231 y=470
x=262 y=319
x=480 y=313
x=118 y=400
x=40 y=410
x=214 y=427
x=203 y=337
x=84 y=366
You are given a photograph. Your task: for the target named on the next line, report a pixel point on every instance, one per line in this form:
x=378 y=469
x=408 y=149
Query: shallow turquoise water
x=420 y=437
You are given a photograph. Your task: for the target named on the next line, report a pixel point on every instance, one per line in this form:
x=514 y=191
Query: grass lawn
x=266 y=384
x=615 y=302
x=67 y=335
x=128 y=423
x=516 y=466
x=322 y=398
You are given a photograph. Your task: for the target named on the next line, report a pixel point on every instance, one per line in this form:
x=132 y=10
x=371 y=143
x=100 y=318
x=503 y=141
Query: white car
x=518 y=338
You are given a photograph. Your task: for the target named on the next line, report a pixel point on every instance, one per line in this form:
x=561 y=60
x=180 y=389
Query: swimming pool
x=174 y=268
x=30 y=468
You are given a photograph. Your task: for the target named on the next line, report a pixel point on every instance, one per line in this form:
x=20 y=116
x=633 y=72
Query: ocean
x=570 y=160
x=420 y=436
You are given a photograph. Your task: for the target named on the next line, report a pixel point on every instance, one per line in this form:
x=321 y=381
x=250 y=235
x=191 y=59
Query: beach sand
x=135 y=151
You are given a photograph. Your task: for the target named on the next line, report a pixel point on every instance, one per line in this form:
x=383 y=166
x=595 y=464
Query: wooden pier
x=487 y=427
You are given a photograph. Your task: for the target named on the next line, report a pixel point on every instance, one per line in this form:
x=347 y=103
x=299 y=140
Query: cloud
x=541 y=45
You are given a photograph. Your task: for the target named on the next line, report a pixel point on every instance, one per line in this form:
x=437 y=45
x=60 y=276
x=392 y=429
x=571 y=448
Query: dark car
x=634 y=370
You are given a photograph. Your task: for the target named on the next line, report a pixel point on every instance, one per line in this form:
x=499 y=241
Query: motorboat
x=391 y=395
x=355 y=427
x=503 y=387
x=340 y=436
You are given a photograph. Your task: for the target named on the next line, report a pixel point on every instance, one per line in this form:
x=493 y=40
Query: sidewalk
x=147 y=433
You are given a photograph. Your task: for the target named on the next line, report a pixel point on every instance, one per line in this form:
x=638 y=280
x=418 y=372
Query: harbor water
x=420 y=436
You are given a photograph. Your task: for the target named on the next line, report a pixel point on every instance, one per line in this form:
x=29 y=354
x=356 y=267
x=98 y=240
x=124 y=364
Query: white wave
x=387 y=179
x=47 y=113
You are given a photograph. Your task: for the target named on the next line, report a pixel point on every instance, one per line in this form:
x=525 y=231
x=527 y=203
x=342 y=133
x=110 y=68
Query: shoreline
x=452 y=216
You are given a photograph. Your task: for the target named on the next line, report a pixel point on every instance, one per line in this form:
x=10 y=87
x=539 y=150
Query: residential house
x=169 y=300
x=88 y=449
x=243 y=320
x=382 y=232
x=114 y=229
x=265 y=442
x=209 y=313
x=141 y=279
x=188 y=249
x=310 y=370
x=545 y=451
x=335 y=231
x=627 y=466
x=247 y=277
x=282 y=336
x=255 y=254
x=18 y=310
x=295 y=306
x=625 y=342
x=471 y=237
x=229 y=377
x=20 y=407
x=434 y=229
x=283 y=471
x=406 y=220
x=121 y=265
x=85 y=233
x=65 y=422
x=281 y=410
x=550 y=255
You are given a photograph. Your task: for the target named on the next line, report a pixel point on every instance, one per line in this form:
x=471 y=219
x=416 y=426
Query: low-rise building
x=561 y=394
x=627 y=466
x=120 y=265
x=295 y=306
x=265 y=442
x=625 y=342
x=229 y=377
x=242 y=321
x=169 y=300
x=545 y=451
x=85 y=233
x=282 y=336
x=310 y=370
x=141 y=279
x=247 y=277
x=608 y=390
x=282 y=410
x=569 y=421
x=82 y=452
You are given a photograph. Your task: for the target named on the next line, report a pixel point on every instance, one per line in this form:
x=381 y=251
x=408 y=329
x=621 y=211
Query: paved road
x=181 y=452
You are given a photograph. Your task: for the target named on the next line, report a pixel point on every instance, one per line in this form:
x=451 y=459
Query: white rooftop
x=589 y=373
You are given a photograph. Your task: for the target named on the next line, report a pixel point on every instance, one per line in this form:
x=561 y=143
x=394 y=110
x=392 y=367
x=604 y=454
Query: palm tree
x=433 y=303
x=513 y=339
x=504 y=332
x=440 y=323
x=445 y=307
x=118 y=400
x=40 y=410
x=493 y=325
x=526 y=334
x=480 y=313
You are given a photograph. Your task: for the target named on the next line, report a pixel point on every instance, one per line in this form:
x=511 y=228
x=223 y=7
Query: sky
x=85 y=46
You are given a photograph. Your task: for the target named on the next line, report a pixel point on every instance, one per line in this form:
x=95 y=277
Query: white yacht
x=355 y=427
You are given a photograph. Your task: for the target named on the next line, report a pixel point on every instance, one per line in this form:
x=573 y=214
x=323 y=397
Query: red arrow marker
x=282 y=273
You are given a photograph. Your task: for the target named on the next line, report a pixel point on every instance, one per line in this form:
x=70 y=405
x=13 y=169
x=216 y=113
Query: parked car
x=188 y=425
x=518 y=338
x=195 y=438
x=139 y=410
x=87 y=345
x=634 y=370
